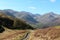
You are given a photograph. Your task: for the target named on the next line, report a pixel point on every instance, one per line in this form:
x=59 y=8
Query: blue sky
x=33 y=6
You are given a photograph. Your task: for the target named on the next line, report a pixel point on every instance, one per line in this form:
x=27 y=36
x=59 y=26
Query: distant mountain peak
x=25 y=12
x=8 y=9
x=51 y=13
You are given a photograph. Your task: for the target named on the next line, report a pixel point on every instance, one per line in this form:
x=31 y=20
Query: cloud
x=33 y=8
x=52 y=1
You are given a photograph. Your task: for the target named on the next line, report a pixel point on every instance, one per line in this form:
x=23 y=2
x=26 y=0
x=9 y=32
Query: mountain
x=36 y=16
x=26 y=16
x=8 y=12
x=49 y=19
x=12 y=23
x=13 y=26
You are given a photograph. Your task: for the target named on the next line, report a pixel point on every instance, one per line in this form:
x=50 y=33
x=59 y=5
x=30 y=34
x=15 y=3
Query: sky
x=33 y=6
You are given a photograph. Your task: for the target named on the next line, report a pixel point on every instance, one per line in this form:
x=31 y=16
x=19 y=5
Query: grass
x=57 y=27
x=12 y=34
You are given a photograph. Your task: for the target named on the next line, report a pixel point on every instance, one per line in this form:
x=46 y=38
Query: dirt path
x=26 y=36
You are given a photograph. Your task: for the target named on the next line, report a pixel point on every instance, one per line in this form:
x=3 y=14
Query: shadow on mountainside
x=1 y=29
x=13 y=24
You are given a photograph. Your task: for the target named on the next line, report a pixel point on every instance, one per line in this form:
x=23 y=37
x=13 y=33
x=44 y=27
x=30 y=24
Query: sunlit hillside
x=52 y=33
x=57 y=27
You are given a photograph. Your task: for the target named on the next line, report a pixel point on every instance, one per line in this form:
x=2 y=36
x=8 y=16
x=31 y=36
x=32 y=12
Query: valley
x=26 y=26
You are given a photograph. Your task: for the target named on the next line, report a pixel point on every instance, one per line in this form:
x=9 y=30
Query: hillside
x=36 y=20
x=12 y=23
x=12 y=28
x=52 y=33
x=27 y=16
x=9 y=34
x=48 y=20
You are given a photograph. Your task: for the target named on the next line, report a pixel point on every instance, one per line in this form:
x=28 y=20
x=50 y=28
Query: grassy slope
x=12 y=34
x=57 y=26
x=39 y=34
x=52 y=33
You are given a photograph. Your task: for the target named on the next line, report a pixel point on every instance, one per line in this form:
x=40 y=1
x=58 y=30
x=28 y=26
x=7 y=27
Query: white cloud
x=33 y=8
x=53 y=1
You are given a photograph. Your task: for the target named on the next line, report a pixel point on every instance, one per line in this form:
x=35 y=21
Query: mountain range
x=48 y=19
x=16 y=25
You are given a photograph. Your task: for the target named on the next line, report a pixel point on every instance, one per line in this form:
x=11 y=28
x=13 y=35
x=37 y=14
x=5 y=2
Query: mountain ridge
x=48 y=19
